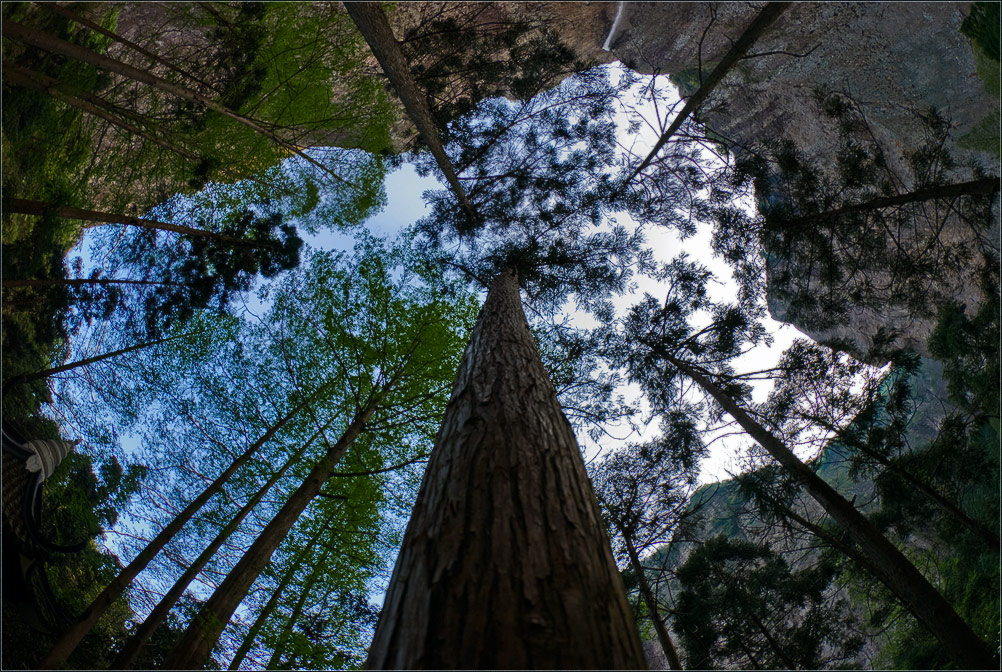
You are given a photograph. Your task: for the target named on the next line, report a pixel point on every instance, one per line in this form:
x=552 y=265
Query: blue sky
x=405 y=205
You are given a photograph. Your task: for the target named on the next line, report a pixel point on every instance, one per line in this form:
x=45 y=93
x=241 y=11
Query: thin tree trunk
x=85 y=102
x=765 y=18
x=975 y=526
x=75 y=633
x=138 y=640
x=755 y=664
x=776 y=646
x=194 y=646
x=895 y=570
x=372 y=23
x=273 y=601
x=985 y=186
x=23 y=206
x=45 y=373
x=846 y=549
x=98 y=107
x=297 y=611
x=42 y=40
x=928 y=490
x=505 y=563
x=87 y=23
x=671 y=653
x=78 y=282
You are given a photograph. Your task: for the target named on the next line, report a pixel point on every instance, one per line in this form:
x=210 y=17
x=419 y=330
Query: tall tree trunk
x=45 y=373
x=985 y=186
x=765 y=18
x=671 y=653
x=86 y=102
x=505 y=563
x=139 y=49
x=988 y=536
x=773 y=644
x=69 y=640
x=895 y=570
x=275 y=598
x=36 y=38
x=143 y=633
x=372 y=23
x=24 y=206
x=297 y=611
x=194 y=646
x=98 y=107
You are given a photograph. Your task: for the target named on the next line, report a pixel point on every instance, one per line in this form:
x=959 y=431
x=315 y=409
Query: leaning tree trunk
x=301 y=558
x=98 y=107
x=97 y=28
x=671 y=653
x=45 y=373
x=505 y=563
x=24 y=206
x=297 y=611
x=192 y=649
x=127 y=656
x=371 y=21
x=69 y=640
x=985 y=186
x=80 y=282
x=893 y=569
x=37 y=38
x=755 y=29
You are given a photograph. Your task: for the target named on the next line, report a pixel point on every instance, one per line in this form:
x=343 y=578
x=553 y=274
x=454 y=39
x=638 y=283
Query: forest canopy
x=263 y=410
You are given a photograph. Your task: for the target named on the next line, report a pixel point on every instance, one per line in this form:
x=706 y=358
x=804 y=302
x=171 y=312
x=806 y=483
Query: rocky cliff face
x=897 y=60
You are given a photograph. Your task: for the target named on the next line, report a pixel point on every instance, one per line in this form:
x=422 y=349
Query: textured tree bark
x=919 y=596
x=671 y=653
x=505 y=563
x=194 y=646
x=69 y=640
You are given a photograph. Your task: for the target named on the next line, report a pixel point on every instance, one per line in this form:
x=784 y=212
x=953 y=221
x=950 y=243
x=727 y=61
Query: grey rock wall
x=897 y=60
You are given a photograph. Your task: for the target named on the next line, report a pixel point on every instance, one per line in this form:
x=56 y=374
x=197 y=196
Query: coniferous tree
x=518 y=234
x=859 y=234
x=743 y=606
x=673 y=349
x=69 y=639
x=505 y=476
x=644 y=491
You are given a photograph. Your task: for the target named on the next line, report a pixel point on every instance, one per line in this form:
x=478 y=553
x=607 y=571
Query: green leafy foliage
x=981 y=25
